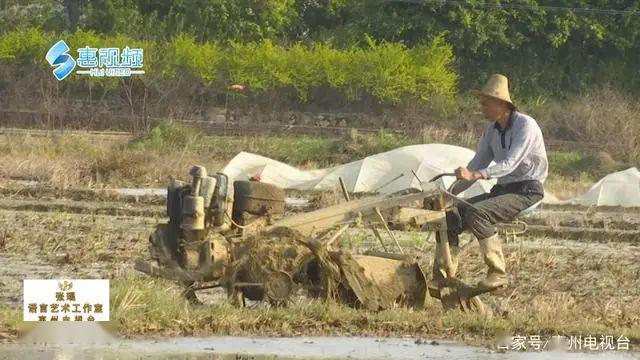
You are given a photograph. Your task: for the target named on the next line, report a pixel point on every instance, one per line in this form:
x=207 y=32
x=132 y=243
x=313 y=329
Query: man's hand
x=462 y=173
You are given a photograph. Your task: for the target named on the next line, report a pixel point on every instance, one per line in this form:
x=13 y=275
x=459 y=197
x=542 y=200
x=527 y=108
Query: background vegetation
x=387 y=72
x=404 y=63
x=559 y=47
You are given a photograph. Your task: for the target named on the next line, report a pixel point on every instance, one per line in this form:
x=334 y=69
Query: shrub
x=306 y=70
x=25 y=47
x=201 y=61
x=602 y=117
x=124 y=165
x=386 y=72
x=431 y=65
x=357 y=146
x=573 y=164
x=261 y=66
x=165 y=136
x=383 y=70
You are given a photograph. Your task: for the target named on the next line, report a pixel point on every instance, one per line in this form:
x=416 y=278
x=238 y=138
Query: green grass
x=166 y=136
x=571 y=173
x=169 y=137
x=10 y=320
x=170 y=149
x=576 y=165
x=144 y=307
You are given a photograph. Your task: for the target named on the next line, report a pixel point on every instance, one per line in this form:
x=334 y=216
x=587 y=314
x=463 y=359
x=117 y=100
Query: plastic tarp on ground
x=376 y=173
x=620 y=188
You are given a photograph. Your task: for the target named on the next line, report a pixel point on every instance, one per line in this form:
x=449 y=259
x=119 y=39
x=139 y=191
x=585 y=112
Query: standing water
x=63 y=341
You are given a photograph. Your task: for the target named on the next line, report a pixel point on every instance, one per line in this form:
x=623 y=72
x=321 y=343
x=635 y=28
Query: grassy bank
x=10 y=320
x=140 y=309
x=154 y=309
x=64 y=161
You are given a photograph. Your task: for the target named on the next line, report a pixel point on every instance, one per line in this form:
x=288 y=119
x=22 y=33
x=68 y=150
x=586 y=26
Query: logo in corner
x=57 y=56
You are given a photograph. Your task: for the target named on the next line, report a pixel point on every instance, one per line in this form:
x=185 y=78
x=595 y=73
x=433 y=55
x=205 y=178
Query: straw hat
x=497 y=87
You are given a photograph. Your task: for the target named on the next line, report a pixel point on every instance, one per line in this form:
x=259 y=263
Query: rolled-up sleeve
x=523 y=140
x=484 y=154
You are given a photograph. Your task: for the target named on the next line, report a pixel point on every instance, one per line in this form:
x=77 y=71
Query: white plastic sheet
x=620 y=188
x=377 y=173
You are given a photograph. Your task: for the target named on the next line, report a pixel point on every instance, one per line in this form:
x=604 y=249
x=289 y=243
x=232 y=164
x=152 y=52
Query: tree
x=73 y=9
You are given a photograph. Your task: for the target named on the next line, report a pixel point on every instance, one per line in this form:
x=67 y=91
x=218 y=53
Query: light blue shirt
x=518 y=151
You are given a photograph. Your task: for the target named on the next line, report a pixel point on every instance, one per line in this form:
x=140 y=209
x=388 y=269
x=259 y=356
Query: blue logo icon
x=57 y=56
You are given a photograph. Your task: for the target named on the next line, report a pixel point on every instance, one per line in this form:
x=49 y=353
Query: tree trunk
x=72 y=8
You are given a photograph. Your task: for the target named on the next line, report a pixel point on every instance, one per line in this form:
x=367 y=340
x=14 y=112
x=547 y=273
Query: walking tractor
x=239 y=238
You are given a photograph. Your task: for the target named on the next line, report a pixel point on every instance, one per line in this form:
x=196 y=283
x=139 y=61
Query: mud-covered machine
x=205 y=228
x=238 y=237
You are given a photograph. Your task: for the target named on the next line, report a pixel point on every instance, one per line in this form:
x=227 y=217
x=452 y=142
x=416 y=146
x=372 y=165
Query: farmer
x=513 y=141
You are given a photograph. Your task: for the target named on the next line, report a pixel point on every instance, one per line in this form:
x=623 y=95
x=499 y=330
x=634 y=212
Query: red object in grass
x=255 y=177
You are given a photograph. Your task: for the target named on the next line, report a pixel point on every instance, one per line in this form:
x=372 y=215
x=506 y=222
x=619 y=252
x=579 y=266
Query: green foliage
x=165 y=136
x=201 y=61
x=246 y=20
x=543 y=49
x=358 y=146
x=566 y=162
x=206 y=20
x=387 y=72
x=555 y=50
x=308 y=150
x=391 y=72
x=305 y=69
x=431 y=64
x=335 y=64
x=384 y=70
x=261 y=66
x=18 y=14
x=24 y=47
x=580 y=165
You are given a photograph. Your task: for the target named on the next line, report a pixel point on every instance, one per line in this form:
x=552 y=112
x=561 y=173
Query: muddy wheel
x=278 y=287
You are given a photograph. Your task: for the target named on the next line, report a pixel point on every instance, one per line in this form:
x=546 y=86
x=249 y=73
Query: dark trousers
x=502 y=204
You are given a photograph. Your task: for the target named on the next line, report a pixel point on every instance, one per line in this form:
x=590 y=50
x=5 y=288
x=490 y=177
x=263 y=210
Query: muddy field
x=576 y=271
